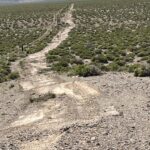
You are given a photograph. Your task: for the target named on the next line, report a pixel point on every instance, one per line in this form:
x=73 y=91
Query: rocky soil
x=118 y=119
x=109 y=112
x=129 y=129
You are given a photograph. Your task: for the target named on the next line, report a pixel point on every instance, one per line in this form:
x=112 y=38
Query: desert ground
x=106 y=112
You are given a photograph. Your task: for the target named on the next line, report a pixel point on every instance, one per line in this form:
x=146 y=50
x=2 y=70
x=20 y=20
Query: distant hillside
x=24 y=1
x=16 y=1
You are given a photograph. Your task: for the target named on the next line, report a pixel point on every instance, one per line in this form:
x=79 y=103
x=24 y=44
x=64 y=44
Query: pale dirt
x=105 y=112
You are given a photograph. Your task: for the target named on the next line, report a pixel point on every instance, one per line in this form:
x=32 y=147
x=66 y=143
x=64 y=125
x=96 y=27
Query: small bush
x=100 y=58
x=110 y=57
x=61 y=66
x=121 y=62
x=39 y=98
x=85 y=71
x=104 y=68
x=22 y=64
x=142 y=72
x=14 y=75
x=51 y=58
x=132 y=68
x=11 y=86
x=12 y=57
x=113 y=66
x=77 y=61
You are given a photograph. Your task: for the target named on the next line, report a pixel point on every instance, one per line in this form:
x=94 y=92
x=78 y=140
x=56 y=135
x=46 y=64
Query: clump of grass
x=22 y=64
x=41 y=98
x=14 y=75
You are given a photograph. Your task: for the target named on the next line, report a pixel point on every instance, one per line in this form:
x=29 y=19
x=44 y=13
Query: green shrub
x=85 y=71
x=39 y=98
x=13 y=75
x=110 y=57
x=121 y=62
x=132 y=68
x=77 y=61
x=51 y=58
x=142 y=54
x=142 y=72
x=100 y=58
x=22 y=64
x=113 y=66
x=12 y=57
x=61 y=66
x=104 y=68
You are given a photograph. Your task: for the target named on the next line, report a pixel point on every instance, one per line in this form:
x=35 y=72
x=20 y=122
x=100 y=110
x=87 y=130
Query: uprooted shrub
x=40 y=98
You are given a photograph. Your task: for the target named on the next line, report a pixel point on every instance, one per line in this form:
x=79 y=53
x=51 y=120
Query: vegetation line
x=109 y=36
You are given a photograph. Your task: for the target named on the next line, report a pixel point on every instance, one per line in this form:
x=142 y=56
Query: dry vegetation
x=109 y=36
x=26 y=29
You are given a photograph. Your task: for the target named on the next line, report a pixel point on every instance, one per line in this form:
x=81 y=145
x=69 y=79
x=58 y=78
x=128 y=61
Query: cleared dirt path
x=40 y=84
x=71 y=105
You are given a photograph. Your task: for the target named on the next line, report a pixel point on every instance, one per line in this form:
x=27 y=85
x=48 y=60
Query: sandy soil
x=109 y=112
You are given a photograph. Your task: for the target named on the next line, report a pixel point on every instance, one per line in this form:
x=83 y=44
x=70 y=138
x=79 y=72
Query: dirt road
x=105 y=112
x=52 y=115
